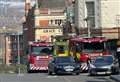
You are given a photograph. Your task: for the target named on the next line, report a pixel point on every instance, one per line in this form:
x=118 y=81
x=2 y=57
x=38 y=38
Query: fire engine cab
x=39 y=55
x=87 y=48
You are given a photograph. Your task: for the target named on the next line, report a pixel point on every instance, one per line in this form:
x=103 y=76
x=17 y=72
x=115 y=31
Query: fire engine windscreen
x=90 y=47
x=61 y=49
x=42 y=50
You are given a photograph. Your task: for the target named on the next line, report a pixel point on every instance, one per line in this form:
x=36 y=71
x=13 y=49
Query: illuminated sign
x=45 y=34
x=49 y=32
x=44 y=38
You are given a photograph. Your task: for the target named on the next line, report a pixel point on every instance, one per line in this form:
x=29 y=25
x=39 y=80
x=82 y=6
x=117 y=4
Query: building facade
x=100 y=14
x=48 y=22
x=13 y=48
x=45 y=19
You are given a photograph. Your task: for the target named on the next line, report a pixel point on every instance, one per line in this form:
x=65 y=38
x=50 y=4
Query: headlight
x=108 y=67
x=59 y=66
x=101 y=54
x=78 y=66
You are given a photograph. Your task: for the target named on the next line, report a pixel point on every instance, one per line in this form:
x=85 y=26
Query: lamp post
x=87 y=19
x=18 y=52
x=17 y=43
x=16 y=35
x=4 y=33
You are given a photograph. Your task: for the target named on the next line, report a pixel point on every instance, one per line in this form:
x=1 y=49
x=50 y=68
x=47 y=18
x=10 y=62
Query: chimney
x=27 y=6
x=36 y=3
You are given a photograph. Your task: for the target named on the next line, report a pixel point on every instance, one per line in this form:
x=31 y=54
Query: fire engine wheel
x=77 y=73
x=91 y=73
x=49 y=72
x=115 y=71
x=29 y=71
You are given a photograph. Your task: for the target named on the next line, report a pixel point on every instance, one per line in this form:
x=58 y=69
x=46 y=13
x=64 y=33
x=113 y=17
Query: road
x=44 y=77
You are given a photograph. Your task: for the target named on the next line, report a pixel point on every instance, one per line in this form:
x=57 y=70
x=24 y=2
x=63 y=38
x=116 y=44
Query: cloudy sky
x=11 y=11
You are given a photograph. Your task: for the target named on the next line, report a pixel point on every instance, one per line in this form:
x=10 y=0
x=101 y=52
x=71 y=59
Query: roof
x=52 y=3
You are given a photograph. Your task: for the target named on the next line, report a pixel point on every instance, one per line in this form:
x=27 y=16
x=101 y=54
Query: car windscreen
x=64 y=60
x=101 y=61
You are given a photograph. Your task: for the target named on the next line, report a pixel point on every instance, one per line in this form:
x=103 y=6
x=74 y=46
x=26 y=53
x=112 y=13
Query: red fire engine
x=39 y=55
x=84 y=49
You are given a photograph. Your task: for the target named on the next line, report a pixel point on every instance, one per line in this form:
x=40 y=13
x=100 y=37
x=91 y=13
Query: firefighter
x=118 y=55
x=84 y=60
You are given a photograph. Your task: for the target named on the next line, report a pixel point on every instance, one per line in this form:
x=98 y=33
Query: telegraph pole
x=18 y=44
x=88 y=26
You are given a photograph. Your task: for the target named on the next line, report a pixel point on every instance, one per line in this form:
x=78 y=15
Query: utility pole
x=118 y=25
x=88 y=27
x=18 y=45
x=37 y=4
x=4 y=33
x=87 y=19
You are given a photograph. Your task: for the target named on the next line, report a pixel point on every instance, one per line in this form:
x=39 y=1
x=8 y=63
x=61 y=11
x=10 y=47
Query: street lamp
x=18 y=50
x=87 y=19
x=4 y=33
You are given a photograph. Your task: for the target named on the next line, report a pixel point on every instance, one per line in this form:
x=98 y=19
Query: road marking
x=68 y=80
x=51 y=76
x=84 y=74
x=20 y=75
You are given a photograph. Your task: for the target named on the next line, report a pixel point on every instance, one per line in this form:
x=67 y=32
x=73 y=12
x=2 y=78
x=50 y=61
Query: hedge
x=13 y=68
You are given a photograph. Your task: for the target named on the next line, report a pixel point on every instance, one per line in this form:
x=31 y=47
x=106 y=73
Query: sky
x=11 y=12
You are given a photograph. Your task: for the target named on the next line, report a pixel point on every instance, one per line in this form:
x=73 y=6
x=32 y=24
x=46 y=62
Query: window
x=91 y=13
x=9 y=38
x=48 y=30
x=58 y=22
x=90 y=8
x=21 y=46
x=14 y=46
x=78 y=47
x=45 y=31
x=51 y=21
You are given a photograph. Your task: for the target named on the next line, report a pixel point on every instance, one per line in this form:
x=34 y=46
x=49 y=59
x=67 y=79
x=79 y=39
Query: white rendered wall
x=110 y=9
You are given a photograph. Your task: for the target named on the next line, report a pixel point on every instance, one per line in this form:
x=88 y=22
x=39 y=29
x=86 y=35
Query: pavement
x=115 y=77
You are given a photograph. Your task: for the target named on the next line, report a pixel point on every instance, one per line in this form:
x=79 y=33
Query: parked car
x=104 y=65
x=63 y=65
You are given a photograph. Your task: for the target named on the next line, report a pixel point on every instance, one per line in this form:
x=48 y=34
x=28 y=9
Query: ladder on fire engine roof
x=91 y=37
x=61 y=38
